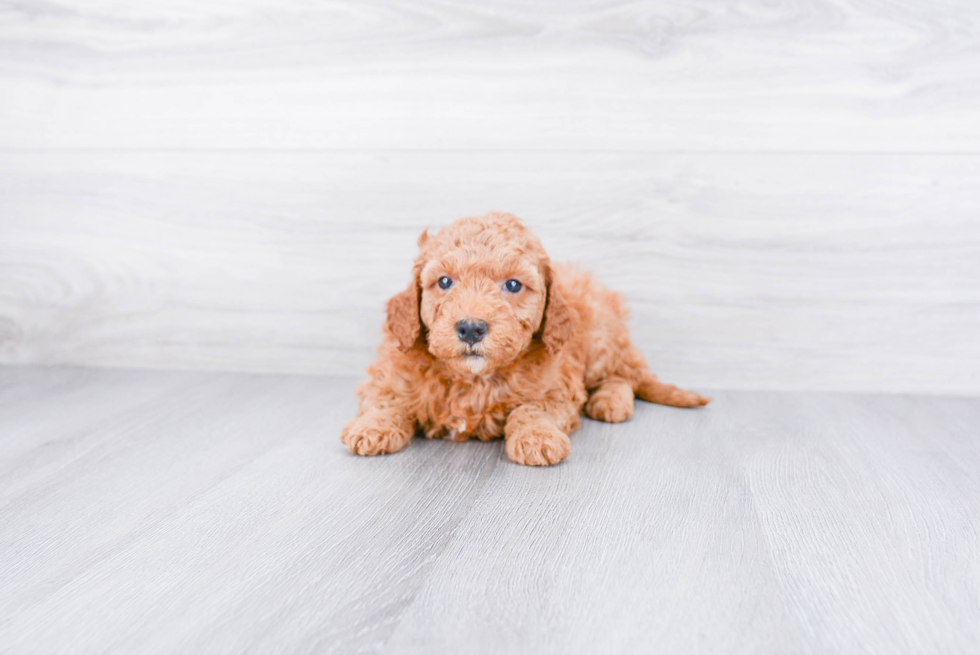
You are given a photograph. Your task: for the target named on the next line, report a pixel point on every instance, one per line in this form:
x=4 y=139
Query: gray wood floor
x=145 y=512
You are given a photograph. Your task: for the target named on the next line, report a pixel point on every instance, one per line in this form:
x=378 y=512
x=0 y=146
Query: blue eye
x=445 y=282
x=513 y=286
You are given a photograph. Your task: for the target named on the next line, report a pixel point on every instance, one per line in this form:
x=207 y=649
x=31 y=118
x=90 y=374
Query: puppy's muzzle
x=470 y=331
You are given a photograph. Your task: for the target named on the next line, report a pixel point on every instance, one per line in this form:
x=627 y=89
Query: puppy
x=492 y=339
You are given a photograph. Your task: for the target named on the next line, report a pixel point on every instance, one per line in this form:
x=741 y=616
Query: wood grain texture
x=853 y=272
x=814 y=75
x=160 y=512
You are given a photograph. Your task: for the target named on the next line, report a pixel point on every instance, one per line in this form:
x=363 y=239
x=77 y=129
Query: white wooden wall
x=787 y=192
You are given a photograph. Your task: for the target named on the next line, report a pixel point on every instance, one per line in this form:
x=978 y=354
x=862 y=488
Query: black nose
x=471 y=331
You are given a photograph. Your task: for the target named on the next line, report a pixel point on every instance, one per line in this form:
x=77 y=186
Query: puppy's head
x=480 y=296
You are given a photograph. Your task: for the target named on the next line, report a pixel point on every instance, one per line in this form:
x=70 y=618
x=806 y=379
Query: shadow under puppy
x=492 y=339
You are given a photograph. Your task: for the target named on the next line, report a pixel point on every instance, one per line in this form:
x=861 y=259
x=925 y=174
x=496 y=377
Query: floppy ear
x=403 y=320
x=559 y=319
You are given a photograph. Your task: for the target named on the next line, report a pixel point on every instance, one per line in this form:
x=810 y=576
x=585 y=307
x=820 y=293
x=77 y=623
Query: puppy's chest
x=466 y=410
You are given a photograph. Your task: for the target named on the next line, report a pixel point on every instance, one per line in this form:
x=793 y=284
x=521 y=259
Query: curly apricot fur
x=557 y=346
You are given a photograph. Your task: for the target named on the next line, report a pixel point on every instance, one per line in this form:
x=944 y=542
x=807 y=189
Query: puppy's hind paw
x=612 y=402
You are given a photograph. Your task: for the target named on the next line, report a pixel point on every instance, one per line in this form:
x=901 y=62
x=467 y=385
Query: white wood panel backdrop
x=893 y=75
x=787 y=192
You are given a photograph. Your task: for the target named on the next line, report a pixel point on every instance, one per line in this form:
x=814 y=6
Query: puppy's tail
x=653 y=390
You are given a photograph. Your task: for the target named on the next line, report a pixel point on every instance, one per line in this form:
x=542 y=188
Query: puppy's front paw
x=374 y=435
x=538 y=444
